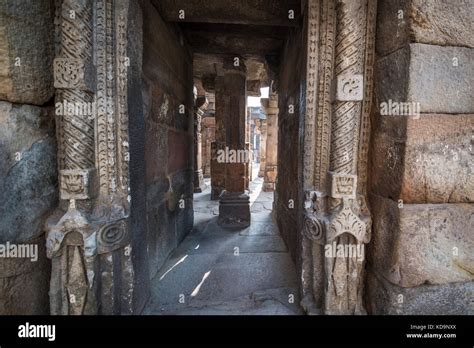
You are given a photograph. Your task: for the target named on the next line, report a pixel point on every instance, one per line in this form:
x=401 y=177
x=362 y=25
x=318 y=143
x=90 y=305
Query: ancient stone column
x=234 y=209
x=248 y=165
x=199 y=108
x=337 y=223
x=208 y=130
x=218 y=167
x=270 y=106
x=75 y=84
x=263 y=147
x=88 y=238
x=349 y=225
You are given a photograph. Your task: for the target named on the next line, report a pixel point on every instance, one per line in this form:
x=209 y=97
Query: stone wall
x=421 y=257
x=168 y=115
x=28 y=168
x=290 y=84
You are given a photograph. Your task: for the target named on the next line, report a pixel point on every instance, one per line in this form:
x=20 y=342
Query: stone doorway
x=112 y=125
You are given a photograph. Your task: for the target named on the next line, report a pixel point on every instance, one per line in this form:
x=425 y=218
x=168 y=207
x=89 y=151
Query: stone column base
x=261 y=170
x=269 y=178
x=234 y=210
x=199 y=185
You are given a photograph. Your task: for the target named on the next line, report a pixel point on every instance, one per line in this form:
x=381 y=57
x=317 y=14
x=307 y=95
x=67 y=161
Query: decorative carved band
x=349 y=65
x=73 y=74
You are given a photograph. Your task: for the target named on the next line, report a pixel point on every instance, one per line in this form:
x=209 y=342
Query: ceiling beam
x=255 y=12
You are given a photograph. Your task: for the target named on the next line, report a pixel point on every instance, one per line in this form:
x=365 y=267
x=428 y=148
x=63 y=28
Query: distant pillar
x=263 y=147
x=234 y=208
x=218 y=168
x=199 y=108
x=270 y=106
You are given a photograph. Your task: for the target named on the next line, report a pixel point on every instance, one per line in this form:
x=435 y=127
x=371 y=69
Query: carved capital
x=74 y=73
x=347 y=221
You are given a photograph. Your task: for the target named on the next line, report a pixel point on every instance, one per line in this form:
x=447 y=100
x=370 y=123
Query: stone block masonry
x=422 y=174
x=28 y=164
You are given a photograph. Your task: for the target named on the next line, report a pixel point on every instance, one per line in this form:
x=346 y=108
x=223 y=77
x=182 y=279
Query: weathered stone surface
x=26 y=51
x=167 y=87
x=382 y=297
x=425 y=160
x=232 y=39
x=28 y=192
x=422 y=243
x=436 y=22
x=439 y=78
x=266 y=12
x=24 y=283
x=286 y=195
x=28 y=174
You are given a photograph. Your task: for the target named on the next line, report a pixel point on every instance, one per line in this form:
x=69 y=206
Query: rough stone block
x=28 y=170
x=26 y=51
x=384 y=298
x=439 y=78
x=179 y=151
x=436 y=22
x=24 y=283
x=425 y=160
x=417 y=244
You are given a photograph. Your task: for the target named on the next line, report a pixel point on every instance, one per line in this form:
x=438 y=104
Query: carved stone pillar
x=234 y=209
x=199 y=108
x=337 y=223
x=270 y=106
x=263 y=147
x=88 y=241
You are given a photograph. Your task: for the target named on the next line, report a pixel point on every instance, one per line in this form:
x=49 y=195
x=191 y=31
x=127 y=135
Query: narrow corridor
x=215 y=271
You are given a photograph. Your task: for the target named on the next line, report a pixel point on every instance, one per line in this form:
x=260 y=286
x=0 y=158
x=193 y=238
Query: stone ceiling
x=252 y=29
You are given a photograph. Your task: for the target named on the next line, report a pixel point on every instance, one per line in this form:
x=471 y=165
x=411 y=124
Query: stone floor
x=213 y=271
